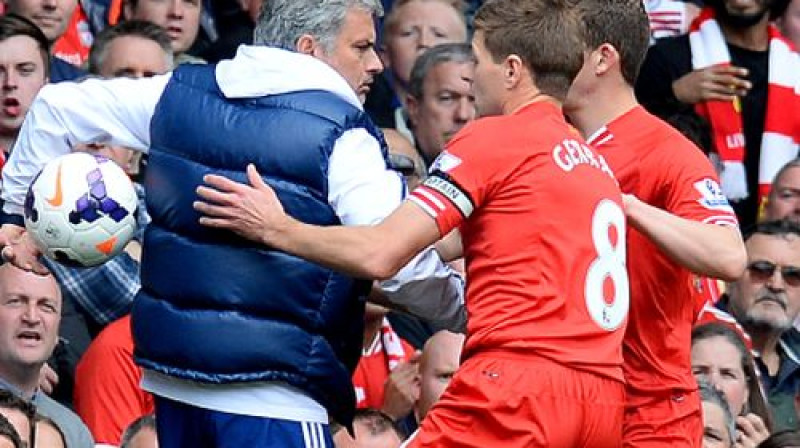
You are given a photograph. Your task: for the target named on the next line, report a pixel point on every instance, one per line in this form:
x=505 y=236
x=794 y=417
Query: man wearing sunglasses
x=765 y=301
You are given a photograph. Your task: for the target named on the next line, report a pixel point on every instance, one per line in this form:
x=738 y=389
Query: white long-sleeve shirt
x=362 y=190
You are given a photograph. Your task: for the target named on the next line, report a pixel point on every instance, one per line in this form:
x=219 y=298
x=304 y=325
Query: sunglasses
x=402 y=164
x=761 y=271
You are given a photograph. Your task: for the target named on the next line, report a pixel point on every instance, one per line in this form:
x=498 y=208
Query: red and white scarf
x=779 y=143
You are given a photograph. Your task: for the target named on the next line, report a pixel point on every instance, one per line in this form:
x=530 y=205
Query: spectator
x=440 y=100
x=318 y=333
x=386 y=377
x=133 y=48
x=783 y=201
x=52 y=17
x=765 y=301
x=438 y=364
x=410 y=28
x=48 y=434
x=720 y=70
x=9 y=438
x=717 y=419
x=372 y=429
x=19 y=413
x=721 y=359
x=789 y=22
x=180 y=18
x=141 y=433
x=30 y=307
x=24 y=61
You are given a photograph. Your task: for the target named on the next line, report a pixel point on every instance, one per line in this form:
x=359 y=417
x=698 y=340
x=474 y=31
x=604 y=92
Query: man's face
x=742 y=13
x=52 y=16
x=767 y=297
x=488 y=84
x=439 y=362
x=447 y=104
x=135 y=57
x=22 y=73
x=30 y=312
x=353 y=54
x=366 y=438
x=420 y=25
x=181 y=19
x=784 y=198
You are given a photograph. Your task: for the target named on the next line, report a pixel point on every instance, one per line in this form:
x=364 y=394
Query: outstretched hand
x=252 y=210
x=17 y=248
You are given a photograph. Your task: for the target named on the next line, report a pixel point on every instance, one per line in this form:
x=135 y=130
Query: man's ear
x=513 y=70
x=412 y=107
x=605 y=57
x=306 y=44
x=127 y=9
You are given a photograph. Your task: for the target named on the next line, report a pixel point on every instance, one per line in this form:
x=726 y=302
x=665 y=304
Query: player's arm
x=376 y=252
x=704 y=248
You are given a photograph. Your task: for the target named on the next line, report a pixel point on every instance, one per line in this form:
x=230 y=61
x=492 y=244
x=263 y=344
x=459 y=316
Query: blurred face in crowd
x=416 y=26
x=181 y=18
x=789 y=22
x=718 y=362
x=353 y=54
x=366 y=438
x=440 y=360
x=51 y=16
x=6 y=442
x=22 y=73
x=715 y=434
x=784 y=197
x=47 y=436
x=30 y=312
x=447 y=104
x=741 y=13
x=135 y=57
x=767 y=296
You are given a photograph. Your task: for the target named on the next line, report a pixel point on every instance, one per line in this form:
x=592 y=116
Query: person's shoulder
x=61 y=70
x=791 y=340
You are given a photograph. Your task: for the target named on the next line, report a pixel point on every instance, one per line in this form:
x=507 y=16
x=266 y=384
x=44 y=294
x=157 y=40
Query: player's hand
x=19 y=250
x=252 y=211
x=718 y=82
x=48 y=379
x=401 y=390
x=750 y=431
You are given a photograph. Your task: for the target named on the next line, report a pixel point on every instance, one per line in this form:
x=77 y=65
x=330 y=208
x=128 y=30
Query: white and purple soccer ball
x=81 y=209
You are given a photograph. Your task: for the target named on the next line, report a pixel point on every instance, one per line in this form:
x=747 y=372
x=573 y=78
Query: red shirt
x=107 y=393
x=373 y=370
x=527 y=194
x=662 y=168
x=73 y=46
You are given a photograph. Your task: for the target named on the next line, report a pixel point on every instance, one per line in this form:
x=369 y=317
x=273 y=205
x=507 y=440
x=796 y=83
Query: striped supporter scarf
x=779 y=143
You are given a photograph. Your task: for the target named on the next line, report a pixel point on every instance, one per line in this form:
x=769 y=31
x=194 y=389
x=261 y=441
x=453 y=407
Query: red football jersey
x=661 y=167
x=541 y=221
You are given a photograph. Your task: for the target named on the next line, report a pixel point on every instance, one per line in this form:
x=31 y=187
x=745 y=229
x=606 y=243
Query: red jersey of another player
x=376 y=363
x=541 y=222
x=661 y=167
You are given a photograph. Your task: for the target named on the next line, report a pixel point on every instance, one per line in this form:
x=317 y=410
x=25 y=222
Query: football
x=80 y=209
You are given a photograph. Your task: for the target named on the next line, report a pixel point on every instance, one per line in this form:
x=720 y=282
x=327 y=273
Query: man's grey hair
x=281 y=23
x=711 y=394
x=451 y=52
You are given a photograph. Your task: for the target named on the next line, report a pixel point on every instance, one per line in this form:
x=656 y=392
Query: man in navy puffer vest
x=242 y=345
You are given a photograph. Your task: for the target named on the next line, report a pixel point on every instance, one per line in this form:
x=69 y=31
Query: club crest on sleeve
x=445 y=162
x=711 y=196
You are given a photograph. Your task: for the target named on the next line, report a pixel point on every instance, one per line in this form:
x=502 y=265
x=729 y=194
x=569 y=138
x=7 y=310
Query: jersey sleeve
x=458 y=181
x=695 y=192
